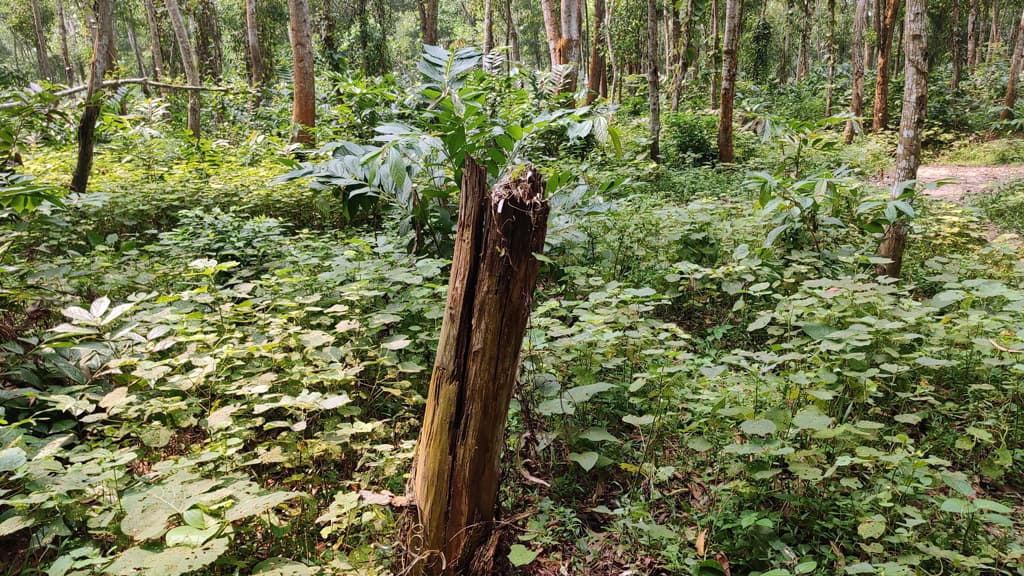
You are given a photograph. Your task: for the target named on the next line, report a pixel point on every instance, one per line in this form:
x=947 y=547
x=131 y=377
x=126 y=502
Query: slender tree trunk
x=993 y=36
x=915 y=105
x=715 y=55
x=133 y=41
x=568 y=47
x=653 y=80
x=881 y=111
x=876 y=22
x=551 y=29
x=103 y=36
x=208 y=41
x=783 y=74
x=956 y=48
x=857 y=68
x=259 y=74
x=488 y=27
x=512 y=33
x=1016 y=62
x=428 y=21
x=616 y=76
x=154 y=40
x=188 y=62
x=733 y=16
x=804 y=57
x=62 y=25
x=457 y=468
x=595 y=77
x=41 y=52
x=831 y=56
x=972 y=33
x=304 y=100
x=682 y=55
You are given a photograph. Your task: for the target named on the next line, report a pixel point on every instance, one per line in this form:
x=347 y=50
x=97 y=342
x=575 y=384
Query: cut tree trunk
x=1015 y=65
x=653 y=80
x=188 y=62
x=304 y=96
x=915 y=106
x=881 y=111
x=457 y=469
x=857 y=69
x=733 y=16
x=103 y=36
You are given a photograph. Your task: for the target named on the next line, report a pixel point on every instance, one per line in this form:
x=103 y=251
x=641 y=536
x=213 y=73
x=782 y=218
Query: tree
x=1015 y=65
x=783 y=72
x=154 y=40
x=62 y=26
x=973 y=25
x=457 y=468
x=259 y=73
x=831 y=56
x=488 y=27
x=857 y=67
x=682 y=63
x=103 y=37
x=41 y=53
x=428 y=21
x=653 y=96
x=188 y=62
x=883 y=70
x=208 y=41
x=804 y=55
x=915 y=105
x=733 y=12
x=304 y=95
x=596 y=74
x=955 y=48
x=563 y=34
x=993 y=32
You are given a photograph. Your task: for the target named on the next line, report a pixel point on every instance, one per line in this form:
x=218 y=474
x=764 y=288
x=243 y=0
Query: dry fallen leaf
x=701 y=541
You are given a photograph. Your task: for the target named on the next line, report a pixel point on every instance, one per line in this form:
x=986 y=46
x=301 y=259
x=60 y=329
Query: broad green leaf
x=644 y=420
x=760 y=322
x=15 y=523
x=281 y=567
x=597 y=434
x=173 y=561
x=520 y=555
x=758 y=427
x=586 y=460
x=189 y=535
x=872 y=528
x=811 y=418
x=11 y=459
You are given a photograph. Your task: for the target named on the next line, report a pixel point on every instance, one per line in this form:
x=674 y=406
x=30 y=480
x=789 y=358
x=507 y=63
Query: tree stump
x=457 y=468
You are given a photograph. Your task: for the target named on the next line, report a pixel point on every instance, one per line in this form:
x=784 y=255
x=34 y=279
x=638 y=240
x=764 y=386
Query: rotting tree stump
x=457 y=468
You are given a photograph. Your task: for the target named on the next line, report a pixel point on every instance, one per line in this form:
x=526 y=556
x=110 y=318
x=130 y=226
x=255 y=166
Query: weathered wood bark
x=41 y=53
x=457 y=468
x=103 y=36
x=915 y=105
x=733 y=15
x=653 y=80
x=972 y=33
x=1015 y=65
x=62 y=26
x=882 y=71
x=595 y=76
x=259 y=73
x=857 y=68
x=304 y=96
x=428 y=21
x=154 y=40
x=956 y=50
x=188 y=62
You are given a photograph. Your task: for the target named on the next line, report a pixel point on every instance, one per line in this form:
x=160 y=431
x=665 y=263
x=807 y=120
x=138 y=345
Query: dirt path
x=966 y=180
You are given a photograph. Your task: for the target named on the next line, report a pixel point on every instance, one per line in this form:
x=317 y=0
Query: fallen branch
x=140 y=81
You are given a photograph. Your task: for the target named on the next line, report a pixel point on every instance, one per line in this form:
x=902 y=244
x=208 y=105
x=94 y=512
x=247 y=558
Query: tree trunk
x=133 y=41
x=804 y=57
x=188 y=62
x=1015 y=65
x=682 y=56
x=512 y=33
x=488 y=27
x=41 y=54
x=304 y=100
x=62 y=25
x=154 y=40
x=915 y=104
x=258 y=72
x=881 y=111
x=857 y=68
x=783 y=73
x=428 y=21
x=957 y=50
x=653 y=94
x=551 y=29
x=611 y=49
x=993 y=32
x=972 y=34
x=831 y=56
x=733 y=15
x=715 y=55
x=208 y=41
x=103 y=36
x=568 y=47
x=457 y=468
x=595 y=77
